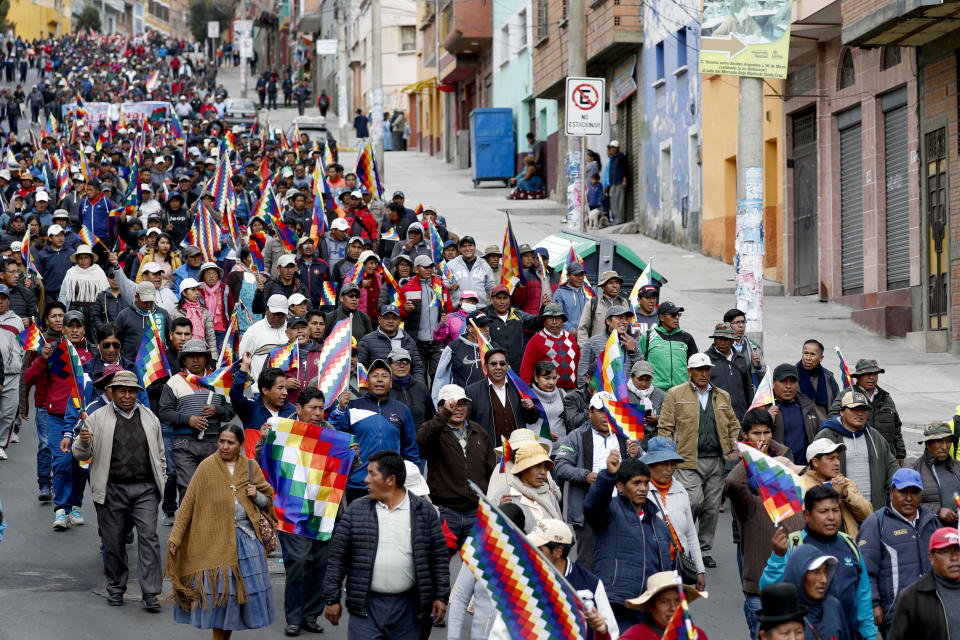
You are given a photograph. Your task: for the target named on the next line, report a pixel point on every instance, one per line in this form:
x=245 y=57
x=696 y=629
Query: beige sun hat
x=659 y=582
x=529 y=455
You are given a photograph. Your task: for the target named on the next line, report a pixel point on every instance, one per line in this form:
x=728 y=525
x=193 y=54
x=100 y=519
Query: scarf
x=819 y=396
x=204 y=532
x=83 y=285
x=643 y=394
x=552 y=402
x=213 y=301
x=543 y=496
x=194 y=312
x=675 y=545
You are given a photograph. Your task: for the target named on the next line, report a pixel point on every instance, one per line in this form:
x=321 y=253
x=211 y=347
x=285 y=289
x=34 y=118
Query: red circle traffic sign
x=585 y=96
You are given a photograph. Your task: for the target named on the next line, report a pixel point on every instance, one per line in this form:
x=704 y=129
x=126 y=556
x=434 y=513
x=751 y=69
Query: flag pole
x=223 y=349
x=520 y=533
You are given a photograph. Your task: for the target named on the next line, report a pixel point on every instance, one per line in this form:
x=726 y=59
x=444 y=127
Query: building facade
x=40 y=18
x=398 y=38
x=672 y=209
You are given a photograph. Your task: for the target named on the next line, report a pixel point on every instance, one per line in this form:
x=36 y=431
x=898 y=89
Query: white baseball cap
x=278 y=304
x=699 y=360
x=596 y=401
x=340 y=224
x=452 y=392
x=822 y=447
x=286 y=260
x=297 y=298
x=152 y=267
x=550 y=530
x=54 y=229
x=43 y=196
x=188 y=283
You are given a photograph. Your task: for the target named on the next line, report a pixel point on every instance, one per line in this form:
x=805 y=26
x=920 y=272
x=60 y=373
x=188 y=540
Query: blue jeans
x=751 y=605
x=170 y=486
x=43 y=451
x=68 y=476
x=460 y=523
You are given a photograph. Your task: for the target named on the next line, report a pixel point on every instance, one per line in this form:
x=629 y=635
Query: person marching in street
x=883 y=415
x=668 y=347
x=124 y=444
x=595 y=312
x=930 y=607
x=823 y=466
x=939 y=470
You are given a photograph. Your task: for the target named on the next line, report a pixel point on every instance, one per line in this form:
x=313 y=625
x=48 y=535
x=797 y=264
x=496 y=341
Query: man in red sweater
x=555 y=344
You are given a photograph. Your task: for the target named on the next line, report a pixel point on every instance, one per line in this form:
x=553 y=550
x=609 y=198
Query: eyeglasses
x=674 y=315
x=737 y=323
x=109 y=345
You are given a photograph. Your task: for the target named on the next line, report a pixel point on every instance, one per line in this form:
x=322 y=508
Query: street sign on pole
x=246 y=47
x=327 y=47
x=242 y=28
x=213 y=29
x=584 y=106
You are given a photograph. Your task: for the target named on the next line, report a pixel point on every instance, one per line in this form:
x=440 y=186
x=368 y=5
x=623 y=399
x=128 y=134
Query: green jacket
x=668 y=352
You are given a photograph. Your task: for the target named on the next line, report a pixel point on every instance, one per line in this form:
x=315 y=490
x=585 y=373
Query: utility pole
x=575 y=145
x=343 y=108
x=376 y=80
x=749 y=249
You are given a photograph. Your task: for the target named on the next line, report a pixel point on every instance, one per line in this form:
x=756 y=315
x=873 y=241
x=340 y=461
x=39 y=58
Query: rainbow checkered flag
x=219 y=381
x=512 y=273
x=204 y=232
x=435 y=242
x=152 y=357
x=361 y=376
x=329 y=293
x=847 y=378
x=307 y=465
x=612 y=376
x=335 y=362
x=625 y=418
x=367 y=174
x=780 y=488
x=532 y=598
x=394 y=295
x=30 y=338
x=285 y=357
x=764 y=394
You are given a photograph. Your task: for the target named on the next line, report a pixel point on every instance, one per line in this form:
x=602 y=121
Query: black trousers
x=305 y=563
x=125 y=503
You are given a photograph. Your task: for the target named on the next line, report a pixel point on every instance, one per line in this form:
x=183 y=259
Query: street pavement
x=51 y=584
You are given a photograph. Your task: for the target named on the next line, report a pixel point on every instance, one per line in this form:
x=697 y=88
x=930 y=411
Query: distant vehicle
x=316 y=129
x=239 y=111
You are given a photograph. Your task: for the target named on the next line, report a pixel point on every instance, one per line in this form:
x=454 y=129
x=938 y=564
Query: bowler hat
x=779 y=603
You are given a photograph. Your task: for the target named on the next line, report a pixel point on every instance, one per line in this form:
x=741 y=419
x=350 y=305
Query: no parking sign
x=584 y=112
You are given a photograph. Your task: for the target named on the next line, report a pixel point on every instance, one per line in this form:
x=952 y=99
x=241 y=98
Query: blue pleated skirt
x=255 y=613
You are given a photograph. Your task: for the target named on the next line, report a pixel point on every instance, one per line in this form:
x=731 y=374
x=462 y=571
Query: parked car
x=316 y=129
x=239 y=111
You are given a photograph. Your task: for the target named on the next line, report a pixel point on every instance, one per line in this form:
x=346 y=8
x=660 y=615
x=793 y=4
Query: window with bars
x=408 y=38
x=847 y=75
x=542 y=25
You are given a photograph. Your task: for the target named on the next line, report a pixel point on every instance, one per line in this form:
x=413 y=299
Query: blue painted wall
x=672 y=100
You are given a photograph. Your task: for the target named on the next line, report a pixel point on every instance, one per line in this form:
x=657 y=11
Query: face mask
x=469 y=307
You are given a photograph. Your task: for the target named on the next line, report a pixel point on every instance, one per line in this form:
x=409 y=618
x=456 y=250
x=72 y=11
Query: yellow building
x=719 y=170
x=38 y=18
x=425 y=109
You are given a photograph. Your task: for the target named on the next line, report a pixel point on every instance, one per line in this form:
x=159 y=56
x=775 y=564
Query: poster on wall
x=745 y=38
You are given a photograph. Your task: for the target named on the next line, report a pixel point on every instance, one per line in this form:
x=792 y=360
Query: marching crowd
x=469 y=368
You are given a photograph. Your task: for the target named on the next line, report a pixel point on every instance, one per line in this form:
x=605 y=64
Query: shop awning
x=429 y=83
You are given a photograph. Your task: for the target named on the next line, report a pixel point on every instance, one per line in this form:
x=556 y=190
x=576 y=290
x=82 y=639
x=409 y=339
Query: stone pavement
x=925 y=386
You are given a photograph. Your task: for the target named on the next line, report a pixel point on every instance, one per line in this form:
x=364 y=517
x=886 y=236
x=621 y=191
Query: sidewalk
x=925 y=386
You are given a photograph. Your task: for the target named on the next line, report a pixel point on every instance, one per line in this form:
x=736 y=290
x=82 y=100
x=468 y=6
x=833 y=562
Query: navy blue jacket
x=378 y=425
x=618 y=168
x=627 y=549
x=251 y=411
x=53 y=266
x=312 y=276
x=895 y=553
x=354 y=550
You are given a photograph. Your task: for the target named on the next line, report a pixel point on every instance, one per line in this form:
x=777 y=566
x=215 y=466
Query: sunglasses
x=496 y=364
x=109 y=345
x=674 y=315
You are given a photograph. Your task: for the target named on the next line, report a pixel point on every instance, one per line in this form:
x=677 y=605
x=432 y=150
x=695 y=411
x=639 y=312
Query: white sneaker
x=3 y=454
x=14 y=438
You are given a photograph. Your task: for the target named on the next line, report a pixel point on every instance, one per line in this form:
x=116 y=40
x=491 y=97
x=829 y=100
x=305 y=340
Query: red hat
x=500 y=288
x=109 y=371
x=944 y=537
